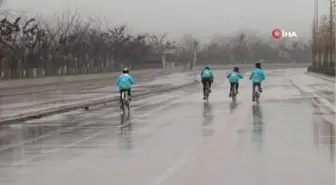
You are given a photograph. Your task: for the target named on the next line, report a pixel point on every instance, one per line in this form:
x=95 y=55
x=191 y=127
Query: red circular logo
x=276 y=33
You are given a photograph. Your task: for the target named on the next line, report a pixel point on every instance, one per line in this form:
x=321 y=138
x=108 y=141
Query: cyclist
x=124 y=83
x=207 y=77
x=257 y=76
x=234 y=77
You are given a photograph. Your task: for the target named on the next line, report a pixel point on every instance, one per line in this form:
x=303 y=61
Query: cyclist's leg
x=234 y=86
x=260 y=88
x=231 y=88
x=203 y=83
x=129 y=91
x=210 y=83
x=253 y=90
x=237 y=87
x=120 y=92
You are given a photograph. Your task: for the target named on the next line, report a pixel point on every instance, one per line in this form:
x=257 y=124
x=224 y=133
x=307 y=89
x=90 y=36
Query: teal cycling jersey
x=234 y=77
x=207 y=74
x=125 y=81
x=257 y=75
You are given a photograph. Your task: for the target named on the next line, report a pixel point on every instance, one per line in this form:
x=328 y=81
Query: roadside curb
x=55 y=87
x=319 y=101
x=79 y=79
x=62 y=79
x=328 y=78
x=67 y=108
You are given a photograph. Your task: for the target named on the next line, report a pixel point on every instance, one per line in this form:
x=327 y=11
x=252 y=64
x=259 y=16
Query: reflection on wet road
x=126 y=131
x=15 y=102
x=258 y=126
x=207 y=120
x=177 y=138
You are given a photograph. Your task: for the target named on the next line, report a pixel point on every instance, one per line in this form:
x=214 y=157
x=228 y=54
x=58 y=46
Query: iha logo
x=277 y=34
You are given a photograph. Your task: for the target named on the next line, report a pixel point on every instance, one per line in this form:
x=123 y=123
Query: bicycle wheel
x=123 y=97
x=207 y=91
x=257 y=95
x=233 y=93
x=127 y=101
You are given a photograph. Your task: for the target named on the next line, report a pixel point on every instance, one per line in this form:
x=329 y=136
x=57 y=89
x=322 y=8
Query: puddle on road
x=207 y=128
x=125 y=135
x=233 y=105
x=214 y=115
x=258 y=126
x=158 y=86
x=328 y=92
x=290 y=124
x=63 y=128
x=324 y=132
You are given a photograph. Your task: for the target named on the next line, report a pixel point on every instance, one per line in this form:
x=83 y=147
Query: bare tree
x=74 y=44
x=160 y=45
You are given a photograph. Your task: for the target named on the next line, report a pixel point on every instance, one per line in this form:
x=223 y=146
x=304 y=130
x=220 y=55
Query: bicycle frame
x=256 y=94
x=124 y=100
x=234 y=92
x=207 y=90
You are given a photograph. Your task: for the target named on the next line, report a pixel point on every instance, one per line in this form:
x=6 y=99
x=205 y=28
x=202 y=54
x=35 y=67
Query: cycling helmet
x=236 y=69
x=125 y=70
x=208 y=68
x=258 y=65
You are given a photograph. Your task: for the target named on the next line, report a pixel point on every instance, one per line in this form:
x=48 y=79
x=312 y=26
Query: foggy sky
x=202 y=18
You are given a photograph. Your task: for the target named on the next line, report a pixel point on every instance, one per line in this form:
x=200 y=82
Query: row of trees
x=324 y=40
x=73 y=44
x=246 y=47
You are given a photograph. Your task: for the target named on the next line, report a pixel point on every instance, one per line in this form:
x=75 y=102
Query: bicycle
x=207 y=91
x=256 y=94
x=234 y=92
x=125 y=101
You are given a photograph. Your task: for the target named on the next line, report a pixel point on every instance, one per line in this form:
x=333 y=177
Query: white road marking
x=323 y=103
x=171 y=170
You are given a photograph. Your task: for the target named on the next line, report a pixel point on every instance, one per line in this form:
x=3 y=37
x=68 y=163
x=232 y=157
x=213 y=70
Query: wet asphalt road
x=177 y=139
x=14 y=102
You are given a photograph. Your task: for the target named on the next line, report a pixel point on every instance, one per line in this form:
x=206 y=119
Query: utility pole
x=331 y=22
x=195 y=46
x=316 y=27
x=316 y=14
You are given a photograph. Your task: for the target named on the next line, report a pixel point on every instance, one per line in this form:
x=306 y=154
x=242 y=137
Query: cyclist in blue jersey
x=234 y=78
x=207 y=77
x=257 y=76
x=124 y=83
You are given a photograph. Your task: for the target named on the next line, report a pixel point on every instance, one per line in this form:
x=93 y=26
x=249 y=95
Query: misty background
x=47 y=37
x=201 y=18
